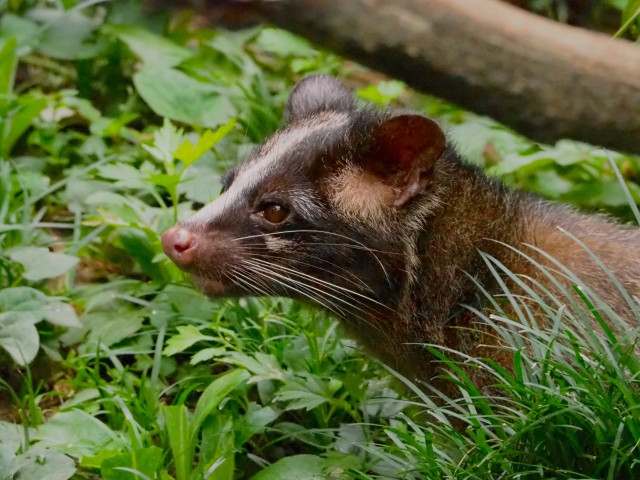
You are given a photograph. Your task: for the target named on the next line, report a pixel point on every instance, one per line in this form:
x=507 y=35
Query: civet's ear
x=317 y=93
x=403 y=152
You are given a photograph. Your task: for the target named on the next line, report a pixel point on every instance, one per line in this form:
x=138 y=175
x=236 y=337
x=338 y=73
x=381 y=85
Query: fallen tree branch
x=544 y=79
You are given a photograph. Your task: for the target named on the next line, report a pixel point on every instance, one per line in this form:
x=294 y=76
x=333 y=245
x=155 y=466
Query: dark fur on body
x=385 y=228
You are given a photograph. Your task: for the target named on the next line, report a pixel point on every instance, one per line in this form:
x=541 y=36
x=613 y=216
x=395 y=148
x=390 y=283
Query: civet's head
x=321 y=211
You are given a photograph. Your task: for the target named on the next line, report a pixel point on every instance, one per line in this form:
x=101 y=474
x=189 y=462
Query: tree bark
x=544 y=79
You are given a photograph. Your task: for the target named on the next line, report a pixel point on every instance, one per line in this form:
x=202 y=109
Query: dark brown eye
x=275 y=213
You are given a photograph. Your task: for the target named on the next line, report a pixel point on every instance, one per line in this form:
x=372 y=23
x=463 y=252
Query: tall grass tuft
x=569 y=408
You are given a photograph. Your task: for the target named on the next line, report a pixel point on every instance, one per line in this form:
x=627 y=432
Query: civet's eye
x=275 y=213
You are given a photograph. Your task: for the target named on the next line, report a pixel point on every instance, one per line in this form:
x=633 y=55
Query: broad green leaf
x=42 y=464
x=284 y=44
x=171 y=93
x=26 y=108
x=12 y=435
x=75 y=433
x=40 y=264
x=146 y=461
x=177 y=423
x=7 y=68
x=67 y=34
x=7 y=457
x=19 y=336
x=186 y=337
x=25 y=31
x=60 y=314
x=21 y=298
x=110 y=327
x=297 y=467
x=189 y=153
x=151 y=48
x=213 y=395
x=217 y=447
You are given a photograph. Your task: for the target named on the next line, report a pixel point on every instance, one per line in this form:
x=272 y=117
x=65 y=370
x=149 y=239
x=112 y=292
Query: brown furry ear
x=317 y=93
x=403 y=152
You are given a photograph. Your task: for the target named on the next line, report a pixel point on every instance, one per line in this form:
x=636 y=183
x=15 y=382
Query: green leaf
x=217 y=447
x=67 y=34
x=109 y=327
x=253 y=423
x=284 y=44
x=146 y=461
x=151 y=48
x=19 y=336
x=262 y=365
x=139 y=245
x=299 y=397
x=383 y=93
x=95 y=461
x=213 y=395
x=127 y=176
x=7 y=457
x=12 y=435
x=26 y=108
x=308 y=393
x=298 y=467
x=200 y=183
x=22 y=299
x=177 y=423
x=631 y=11
x=25 y=31
x=166 y=140
x=8 y=65
x=26 y=299
x=189 y=153
x=186 y=337
x=40 y=264
x=75 y=433
x=171 y=93
x=163 y=180
x=207 y=354
x=516 y=162
x=42 y=465
x=60 y=314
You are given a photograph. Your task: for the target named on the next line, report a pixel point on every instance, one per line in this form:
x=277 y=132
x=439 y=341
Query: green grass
x=113 y=125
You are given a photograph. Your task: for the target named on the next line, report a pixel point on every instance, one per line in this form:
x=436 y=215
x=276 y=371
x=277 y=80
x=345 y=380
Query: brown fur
x=473 y=215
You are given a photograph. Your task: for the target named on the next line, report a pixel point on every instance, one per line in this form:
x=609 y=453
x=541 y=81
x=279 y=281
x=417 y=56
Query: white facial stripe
x=281 y=144
x=276 y=148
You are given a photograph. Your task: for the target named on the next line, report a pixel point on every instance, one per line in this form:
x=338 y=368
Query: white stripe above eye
x=276 y=148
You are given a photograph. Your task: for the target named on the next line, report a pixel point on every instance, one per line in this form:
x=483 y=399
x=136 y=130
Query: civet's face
x=314 y=212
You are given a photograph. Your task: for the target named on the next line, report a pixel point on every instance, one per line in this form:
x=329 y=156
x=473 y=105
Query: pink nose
x=179 y=245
